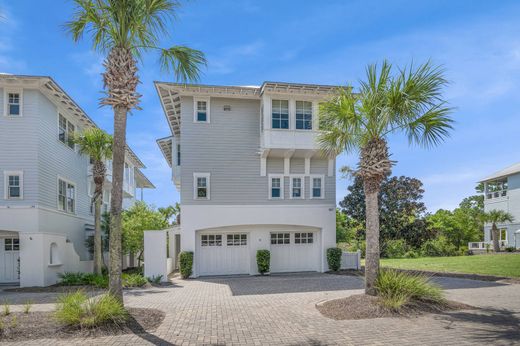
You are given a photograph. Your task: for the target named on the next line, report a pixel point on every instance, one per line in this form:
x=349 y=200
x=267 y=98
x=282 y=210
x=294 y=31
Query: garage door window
x=280 y=238
x=12 y=244
x=236 y=239
x=303 y=238
x=211 y=240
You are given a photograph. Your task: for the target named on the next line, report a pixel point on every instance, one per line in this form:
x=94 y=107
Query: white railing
x=351 y=260
x=483 y=245
x=496 y=194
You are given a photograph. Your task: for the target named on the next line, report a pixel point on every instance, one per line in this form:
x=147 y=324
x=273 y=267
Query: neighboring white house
x=251 y=175
x=45 y=184
x=502 y=192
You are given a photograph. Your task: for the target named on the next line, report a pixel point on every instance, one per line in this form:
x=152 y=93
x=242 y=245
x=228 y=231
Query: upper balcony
x=129 y=182
x=171 y=149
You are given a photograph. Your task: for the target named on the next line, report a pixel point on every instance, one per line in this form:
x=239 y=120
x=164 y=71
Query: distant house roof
x=513 y=169
x=62 y=100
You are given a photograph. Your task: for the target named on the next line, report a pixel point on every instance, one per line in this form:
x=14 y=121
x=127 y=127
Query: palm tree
x=497 y=216
x=97 y=145
x=409 y=102
x=124 y=30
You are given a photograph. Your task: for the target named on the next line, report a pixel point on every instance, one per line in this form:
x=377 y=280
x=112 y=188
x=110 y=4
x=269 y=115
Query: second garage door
x=223 y=253
x=294 y=252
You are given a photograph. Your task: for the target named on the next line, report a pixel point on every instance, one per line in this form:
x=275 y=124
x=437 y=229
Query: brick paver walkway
x=280 y=310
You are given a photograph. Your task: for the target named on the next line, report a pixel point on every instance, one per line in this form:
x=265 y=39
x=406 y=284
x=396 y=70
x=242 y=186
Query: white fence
x=156 y=260
x=483 y=245
x=351 y=260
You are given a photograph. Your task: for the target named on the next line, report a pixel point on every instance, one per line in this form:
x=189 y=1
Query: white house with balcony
x=251 y=176
x=502 y=192
x=46 y=185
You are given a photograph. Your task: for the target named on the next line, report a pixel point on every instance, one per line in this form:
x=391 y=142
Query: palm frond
x=95 y=143
x=431 y=128
x=185 y=62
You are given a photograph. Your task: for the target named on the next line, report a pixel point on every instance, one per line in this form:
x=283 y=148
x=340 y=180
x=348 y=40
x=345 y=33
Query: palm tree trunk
x=372 y=239
x=98 y=252
x=115 y=284
x=496 y=236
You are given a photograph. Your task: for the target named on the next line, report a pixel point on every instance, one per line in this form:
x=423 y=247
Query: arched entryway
x=9 y=257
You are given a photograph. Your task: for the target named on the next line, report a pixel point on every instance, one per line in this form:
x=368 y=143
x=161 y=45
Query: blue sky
x=326 y=42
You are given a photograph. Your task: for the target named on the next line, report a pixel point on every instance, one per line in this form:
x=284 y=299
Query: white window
x=211 y=240
x=201 y=186
x=13 y=103
x=297 y=187
x=178 y=154
x=303 y=115
x=66 y=131
x=12 y=244
x=201 y=110
x=13 y=182
x=275 y=186
x=303 y=238
x=280 y=114
x=317 y=186
x=237 y=239
x=66 y=196
x=497 y=188
x=280 y=238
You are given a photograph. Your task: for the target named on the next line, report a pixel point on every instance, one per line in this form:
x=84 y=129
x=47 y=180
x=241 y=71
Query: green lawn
x=499 y=265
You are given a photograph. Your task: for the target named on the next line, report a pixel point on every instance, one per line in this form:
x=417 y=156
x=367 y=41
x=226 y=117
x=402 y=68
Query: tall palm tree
x=124 y=30
x=97 y=145
x=409 y=101
x=494 y=217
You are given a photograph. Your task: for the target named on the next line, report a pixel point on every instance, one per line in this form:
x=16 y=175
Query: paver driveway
x=281 y=310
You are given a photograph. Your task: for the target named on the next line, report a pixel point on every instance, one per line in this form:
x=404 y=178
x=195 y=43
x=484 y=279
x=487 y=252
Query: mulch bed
x=40 y=325
x=361 y=306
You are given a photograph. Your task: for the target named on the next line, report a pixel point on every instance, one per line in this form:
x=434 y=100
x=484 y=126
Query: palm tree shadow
x=138 y=330
x=487 y=325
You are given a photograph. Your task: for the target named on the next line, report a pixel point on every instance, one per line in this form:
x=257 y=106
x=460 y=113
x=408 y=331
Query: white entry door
x=223 y=253
x=294 y=251
x=9 y=255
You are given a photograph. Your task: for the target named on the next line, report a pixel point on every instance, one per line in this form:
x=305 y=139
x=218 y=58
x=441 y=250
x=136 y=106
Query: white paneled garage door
x=223 y=253
x=9 y=254
x=294 y=251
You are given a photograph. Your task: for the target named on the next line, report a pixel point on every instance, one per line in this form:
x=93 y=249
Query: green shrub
x=412 y=254
x=360 y=245
x=27 y=306
x=397 y=289
x=334 y=258
x=6 y=309
x=71 y=278
x=395 y=248
x=186 y=264
x=510 y=249
x=76 y=309
x=133 y=280
x=439 y=246
x=263 y=261
x=155 y=279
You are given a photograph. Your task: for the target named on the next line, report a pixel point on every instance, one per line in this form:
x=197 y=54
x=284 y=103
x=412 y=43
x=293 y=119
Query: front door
x=9 y=259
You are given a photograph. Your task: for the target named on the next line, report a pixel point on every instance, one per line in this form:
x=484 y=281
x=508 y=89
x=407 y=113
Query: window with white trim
x=13 y=183
x=201 y=186
x=66 y=196
x=317 y=186
x=280 y=238
x=12 y=244
x=276 y=186
x=303 y=238
x=280 y=114
x=303 y=115
x=13 y=104
x=297 y=188
x=211 y=240
x=66 y=131
x=237 y=239
x=201 y=110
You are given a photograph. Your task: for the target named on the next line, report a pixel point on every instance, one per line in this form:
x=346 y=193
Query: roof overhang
x=142 y=181
x=513 y=169
x=165 y=144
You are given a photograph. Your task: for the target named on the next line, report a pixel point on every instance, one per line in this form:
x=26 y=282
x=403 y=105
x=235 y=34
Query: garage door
x=294 y=252
x=9 y=255
x=223 y=253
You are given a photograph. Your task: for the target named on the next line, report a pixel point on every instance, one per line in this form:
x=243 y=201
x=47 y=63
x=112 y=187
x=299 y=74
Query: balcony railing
x=496 y=194
x=485 y=245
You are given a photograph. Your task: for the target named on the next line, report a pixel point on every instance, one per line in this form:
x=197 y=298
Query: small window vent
x=227 y=108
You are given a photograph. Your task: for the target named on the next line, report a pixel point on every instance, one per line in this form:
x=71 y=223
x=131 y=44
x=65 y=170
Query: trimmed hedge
x=186 y=264
x=334 y=258
x=263 y=261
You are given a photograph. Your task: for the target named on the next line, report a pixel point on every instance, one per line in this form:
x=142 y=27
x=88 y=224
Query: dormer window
x=303 y=115
x=201 y=110
x=280 y=114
